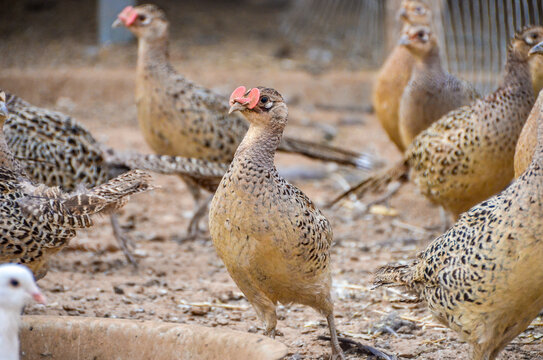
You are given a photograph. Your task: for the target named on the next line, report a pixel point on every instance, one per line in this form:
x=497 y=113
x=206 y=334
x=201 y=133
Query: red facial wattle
x=236 y=94
x=128 y=15
x=249 y=101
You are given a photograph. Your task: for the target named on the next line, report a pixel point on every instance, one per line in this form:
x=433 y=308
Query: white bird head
x=17 y=287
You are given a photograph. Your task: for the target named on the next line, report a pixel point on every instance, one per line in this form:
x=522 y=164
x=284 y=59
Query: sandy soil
x=186 y=282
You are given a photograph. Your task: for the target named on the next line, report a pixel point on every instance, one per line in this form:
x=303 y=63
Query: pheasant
x=178 y=117
x=431 y=92
x=273 y=240
x=395 y=73
x=56 y=150
x=483 y=278
x=17 y=286
x=528 y=137
x=37 y=221
x=467 y=155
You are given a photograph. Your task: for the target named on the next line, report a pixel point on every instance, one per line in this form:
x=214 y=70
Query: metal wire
x=473 y=34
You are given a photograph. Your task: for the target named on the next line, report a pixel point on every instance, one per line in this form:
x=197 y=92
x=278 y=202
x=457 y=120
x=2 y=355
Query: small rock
x=152 y=282
x=117 y=290
x=298 y=343
x=58 y=288
x=162 y=291
x=136 y=311
x=67 y=307
x=140 y=253
x=127 y=301
x=199 y=310
x=222 y=321
x=252 y=330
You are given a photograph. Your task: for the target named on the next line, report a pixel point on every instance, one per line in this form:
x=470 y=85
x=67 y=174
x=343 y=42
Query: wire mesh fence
x=473 y=34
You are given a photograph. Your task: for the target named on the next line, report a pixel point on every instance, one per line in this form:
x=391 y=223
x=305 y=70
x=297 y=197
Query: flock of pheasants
x=479 y=158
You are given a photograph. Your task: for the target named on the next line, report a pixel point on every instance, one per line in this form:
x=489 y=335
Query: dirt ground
x=186 y=282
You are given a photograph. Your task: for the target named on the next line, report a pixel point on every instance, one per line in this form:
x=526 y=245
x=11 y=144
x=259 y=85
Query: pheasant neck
x=259 y=145
x=517 y=71
x=152 y=54
x=431 y=60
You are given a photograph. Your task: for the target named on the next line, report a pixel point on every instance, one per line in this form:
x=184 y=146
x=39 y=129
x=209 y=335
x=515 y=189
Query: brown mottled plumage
x=431 y=92
x=483 y=277
x=527 y=140
x=274 y=242
x=395 y=73
x=467 y=155
x=56 y=150
x=37 y=221
x=178 y=117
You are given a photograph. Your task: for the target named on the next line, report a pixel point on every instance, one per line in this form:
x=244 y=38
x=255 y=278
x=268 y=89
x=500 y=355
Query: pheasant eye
x=264 y=99
x=144 y=20
x=14 y=282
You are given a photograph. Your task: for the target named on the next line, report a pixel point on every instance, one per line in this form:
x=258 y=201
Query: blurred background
x=312 y=34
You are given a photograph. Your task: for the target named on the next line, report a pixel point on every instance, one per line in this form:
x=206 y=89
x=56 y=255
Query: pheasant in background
x=55 y=150
x=483 y=277
x=527 y=140
x=17 y=287
x=467 y=155
x=178 y=117
x=274 y=242
x=395 y=73
x=431 y=92
x=37 y=221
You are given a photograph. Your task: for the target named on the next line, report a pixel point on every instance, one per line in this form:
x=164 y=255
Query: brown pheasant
x=55 y=150
x=527 y=140
x=467 y=155
x=431 y=92
x=483 y=277
x=178 y=117
x=37 y=221
x=274 y=242
x=395 y=73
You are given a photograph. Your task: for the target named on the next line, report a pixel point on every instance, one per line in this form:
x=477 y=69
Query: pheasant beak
x=242 y=99
x=404 y=40
x=402 y=14
x=538 y=49
x=126 y=17
x=39 y=298
x=3 y=110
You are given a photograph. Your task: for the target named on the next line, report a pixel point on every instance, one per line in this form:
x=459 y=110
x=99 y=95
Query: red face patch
x=128 y=15
x=239 y=96
x=238 y=93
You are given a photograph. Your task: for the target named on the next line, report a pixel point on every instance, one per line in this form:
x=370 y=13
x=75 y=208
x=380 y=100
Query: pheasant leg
x=125 y=242
x=337 y=353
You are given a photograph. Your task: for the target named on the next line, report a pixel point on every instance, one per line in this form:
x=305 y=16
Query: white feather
x=17 y=286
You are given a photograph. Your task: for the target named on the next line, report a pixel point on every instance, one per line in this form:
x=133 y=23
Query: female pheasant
x=467 y=155
x=273 y=240
x=483 y=277
x=37 y=221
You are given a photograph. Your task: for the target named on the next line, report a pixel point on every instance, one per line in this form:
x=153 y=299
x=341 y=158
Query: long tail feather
x=394 y=275
x=207 y=174
x=74 y=210
x=329 y=153
x=110 y=195
x=377 y=182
